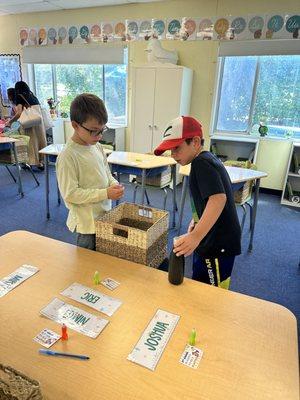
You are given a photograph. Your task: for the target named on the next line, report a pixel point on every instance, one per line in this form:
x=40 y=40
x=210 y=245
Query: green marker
x=192 y=337
x=96 y=278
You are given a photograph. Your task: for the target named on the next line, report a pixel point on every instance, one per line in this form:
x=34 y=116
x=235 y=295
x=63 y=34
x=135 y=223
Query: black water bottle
x=176 y=268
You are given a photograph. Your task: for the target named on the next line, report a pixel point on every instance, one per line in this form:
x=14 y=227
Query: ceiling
x=28 y=6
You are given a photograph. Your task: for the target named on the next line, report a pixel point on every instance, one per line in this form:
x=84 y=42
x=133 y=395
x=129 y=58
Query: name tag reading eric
x=154 y=339
x=92 y=298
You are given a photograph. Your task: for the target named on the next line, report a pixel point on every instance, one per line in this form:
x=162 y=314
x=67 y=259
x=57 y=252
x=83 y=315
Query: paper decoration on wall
x=145 y=29
x=120 y=31
x=188 y=28
x=156 y=53
x=238 y=27
x=173 y=29
x=274 y=25
x=52 y=36
x=62 y=35
x=73 y=33
x=255 y=26
x=95 y=33
x=33 y=37
x=132 y=30
x=205 y=29
x=84 y=33
x=42 y=36
x=23 y=37
x=292 y=26
x=107 y=31
x=222 y=29
x=159 y=28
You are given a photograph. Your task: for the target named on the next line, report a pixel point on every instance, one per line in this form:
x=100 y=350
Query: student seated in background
x=83 y=174
x=214 y=234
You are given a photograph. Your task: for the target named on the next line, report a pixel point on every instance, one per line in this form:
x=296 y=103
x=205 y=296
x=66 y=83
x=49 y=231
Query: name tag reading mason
x=16 y=278
x=75 y=318
x=153 y=341
x=98 y=301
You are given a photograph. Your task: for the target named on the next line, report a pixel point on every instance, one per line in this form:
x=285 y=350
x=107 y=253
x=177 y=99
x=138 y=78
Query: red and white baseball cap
x=177 y=131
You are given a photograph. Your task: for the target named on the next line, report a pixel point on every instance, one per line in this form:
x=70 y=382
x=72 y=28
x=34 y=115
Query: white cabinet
x=159 y=94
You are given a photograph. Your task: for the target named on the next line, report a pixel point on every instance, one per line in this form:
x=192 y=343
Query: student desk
x=250 y=345
x=142 y=163
x=50 y=154
x=238 y=176
x=11 y=141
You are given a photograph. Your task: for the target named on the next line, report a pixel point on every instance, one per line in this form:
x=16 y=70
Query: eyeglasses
x=94 y=133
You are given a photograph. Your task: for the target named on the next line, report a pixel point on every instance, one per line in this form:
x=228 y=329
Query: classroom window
x=63 y=82
x=259 y=89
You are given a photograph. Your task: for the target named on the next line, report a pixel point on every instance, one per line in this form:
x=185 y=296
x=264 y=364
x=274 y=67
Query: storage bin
x=7 y=155
x=134 y=232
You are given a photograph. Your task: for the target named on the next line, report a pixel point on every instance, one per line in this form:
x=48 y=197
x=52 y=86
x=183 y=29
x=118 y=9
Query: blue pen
x=57 y=353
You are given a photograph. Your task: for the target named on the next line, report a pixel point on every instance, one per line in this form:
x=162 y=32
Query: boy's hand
x=115 y=192
x=186 y=244
x=191 y=226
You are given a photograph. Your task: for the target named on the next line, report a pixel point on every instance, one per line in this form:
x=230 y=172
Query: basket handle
x=120 y=230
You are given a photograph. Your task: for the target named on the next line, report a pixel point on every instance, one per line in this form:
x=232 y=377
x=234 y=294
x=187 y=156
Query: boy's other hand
x=191 y=226
x=115 y=192
x=186 y=244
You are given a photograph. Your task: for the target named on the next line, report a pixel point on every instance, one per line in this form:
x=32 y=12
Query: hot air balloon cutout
x=52 y=36
x=159 y=28
x=256 y=25
x=107 y=30
x=95 y=33
x=132 y=30
x=205 y=29
x=238 y=28
x=84 y=33
x=73 y=33
x=188 y=29
x=62 y=35
x=120 y=31
x=23 y=36
x=42 y=36
x=221 y=28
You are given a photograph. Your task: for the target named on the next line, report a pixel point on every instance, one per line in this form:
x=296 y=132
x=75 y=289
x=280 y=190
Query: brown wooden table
x=250 y=345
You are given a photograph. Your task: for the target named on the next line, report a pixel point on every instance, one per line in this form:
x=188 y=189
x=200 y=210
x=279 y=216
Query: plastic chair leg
x=33 y=174
x=251 y=216
x=10 y=173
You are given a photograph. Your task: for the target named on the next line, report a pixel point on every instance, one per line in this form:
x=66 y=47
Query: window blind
x=259 y=47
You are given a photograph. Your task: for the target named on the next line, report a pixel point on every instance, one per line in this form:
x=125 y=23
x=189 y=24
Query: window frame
x=216 y=101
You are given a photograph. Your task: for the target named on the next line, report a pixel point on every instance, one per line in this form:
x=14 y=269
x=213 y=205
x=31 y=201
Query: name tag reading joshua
x=16 y=278
x=92 y=298
x=75 y=318
x=153 y=341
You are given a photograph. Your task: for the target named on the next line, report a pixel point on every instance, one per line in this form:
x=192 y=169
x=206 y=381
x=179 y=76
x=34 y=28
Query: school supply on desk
x=46 y=338
x=14 y=279
x=64 y=332
x=191 y=356
x=92 y=298
x=154 y=339
x=74 y=318
x=57 y=353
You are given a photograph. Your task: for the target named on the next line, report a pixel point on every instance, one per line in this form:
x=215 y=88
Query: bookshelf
x=234 y=148
x=291 y=190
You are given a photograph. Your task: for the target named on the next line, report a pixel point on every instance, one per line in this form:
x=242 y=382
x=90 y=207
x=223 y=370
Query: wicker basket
x=7 y=156
x=16 y=386
x=244 y=193
x=135 y=233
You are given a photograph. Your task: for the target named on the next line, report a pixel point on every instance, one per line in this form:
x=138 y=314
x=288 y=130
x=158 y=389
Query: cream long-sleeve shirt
x=83 y=176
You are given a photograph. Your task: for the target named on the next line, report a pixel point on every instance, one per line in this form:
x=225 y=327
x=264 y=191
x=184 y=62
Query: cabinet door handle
x=149 y=126
x=155 y=126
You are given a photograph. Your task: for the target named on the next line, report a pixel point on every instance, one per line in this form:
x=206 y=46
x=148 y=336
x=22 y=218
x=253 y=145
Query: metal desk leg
x=47 y=185
x=143 y=185
x=173 y=170
x=252 y=223
x=18 y=170
x=58 y=194
x=182 y=200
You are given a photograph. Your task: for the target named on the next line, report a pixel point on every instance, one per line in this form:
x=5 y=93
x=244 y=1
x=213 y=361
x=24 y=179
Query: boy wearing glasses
x=83 y=174
x=214 y=233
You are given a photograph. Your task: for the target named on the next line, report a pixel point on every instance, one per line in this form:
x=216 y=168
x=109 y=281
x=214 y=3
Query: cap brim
x=167 y=145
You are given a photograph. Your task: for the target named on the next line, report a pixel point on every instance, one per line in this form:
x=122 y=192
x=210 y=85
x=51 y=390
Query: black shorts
x=214 y=271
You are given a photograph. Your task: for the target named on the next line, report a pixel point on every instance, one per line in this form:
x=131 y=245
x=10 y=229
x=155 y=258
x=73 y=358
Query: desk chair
x=243 y=195
x=7 y=156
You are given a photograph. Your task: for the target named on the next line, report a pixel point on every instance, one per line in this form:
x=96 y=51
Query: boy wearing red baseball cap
x=214 y=233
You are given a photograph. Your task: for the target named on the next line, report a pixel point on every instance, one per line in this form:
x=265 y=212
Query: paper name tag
x=92 y=298
x=153 y=341
x=47 y=338
x=110 y=284
x=75 y=318
x=145 y=212
x=16 y=278
x=191 y=356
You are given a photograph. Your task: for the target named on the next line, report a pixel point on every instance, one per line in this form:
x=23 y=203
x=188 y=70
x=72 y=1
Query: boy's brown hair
x=87 y=105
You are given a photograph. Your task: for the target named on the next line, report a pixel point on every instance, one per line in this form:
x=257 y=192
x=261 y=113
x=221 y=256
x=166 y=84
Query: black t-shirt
x=208 y=177
x=26 y=98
